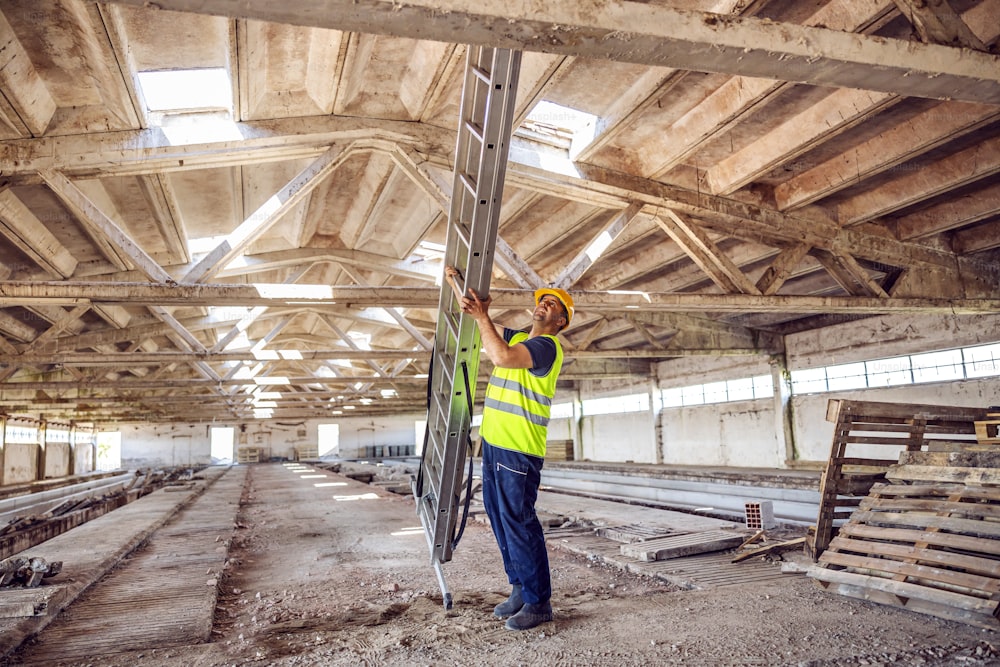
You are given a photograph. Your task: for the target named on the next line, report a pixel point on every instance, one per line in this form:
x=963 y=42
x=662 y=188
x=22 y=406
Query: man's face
x=550 y=309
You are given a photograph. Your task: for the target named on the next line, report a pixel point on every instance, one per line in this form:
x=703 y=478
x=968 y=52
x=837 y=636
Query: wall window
x=561 y=411
x=956 y=364
x=743 y=389
x=613 y=404
x=981 y=361
x=109 y=450
x=844 y=377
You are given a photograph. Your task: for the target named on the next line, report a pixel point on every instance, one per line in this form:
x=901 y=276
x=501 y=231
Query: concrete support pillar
x=575 y=431
x=42 y=453
x=656 y=413
x=783 y=424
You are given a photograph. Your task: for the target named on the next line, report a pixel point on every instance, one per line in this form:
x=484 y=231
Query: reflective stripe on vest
x=518 y=404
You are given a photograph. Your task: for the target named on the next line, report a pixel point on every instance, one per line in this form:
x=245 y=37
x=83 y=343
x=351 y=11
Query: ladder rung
x=480 y=73
x=469 y=184
x=463 y=236
x=475 y=130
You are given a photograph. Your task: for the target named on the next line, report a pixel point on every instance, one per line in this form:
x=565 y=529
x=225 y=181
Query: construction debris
x=676 y=546
x=770 y=549
x=27 y=571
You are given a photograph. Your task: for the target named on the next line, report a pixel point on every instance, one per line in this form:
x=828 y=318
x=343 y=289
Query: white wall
x=618 y=437
x=747 y=433
x=169 y=445
x=738 y=434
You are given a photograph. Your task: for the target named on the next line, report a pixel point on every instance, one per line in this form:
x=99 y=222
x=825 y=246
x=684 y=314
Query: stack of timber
x=868 y=438
x=927 y=539
x=559 y=450
x=248 y=454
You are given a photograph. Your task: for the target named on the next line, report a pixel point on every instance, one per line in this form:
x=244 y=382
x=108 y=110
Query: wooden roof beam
x=265 y=217
x=905 y=141
x=837 y=113
x=20 y=226
x=23 y=86
x=705 y=253
x=116 y=243
x=322 y=296
x=936 y=22
x=598 y=244
x=651 y=34
x=957 y=170
x=982 y=204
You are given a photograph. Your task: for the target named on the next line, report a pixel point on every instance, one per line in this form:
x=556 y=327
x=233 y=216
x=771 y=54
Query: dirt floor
x=330 y=571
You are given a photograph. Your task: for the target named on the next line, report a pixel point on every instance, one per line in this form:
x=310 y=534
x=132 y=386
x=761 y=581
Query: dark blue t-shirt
x=542 y=349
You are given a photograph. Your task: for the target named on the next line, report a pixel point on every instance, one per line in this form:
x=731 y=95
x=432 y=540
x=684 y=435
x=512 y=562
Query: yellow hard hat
x=564 y=298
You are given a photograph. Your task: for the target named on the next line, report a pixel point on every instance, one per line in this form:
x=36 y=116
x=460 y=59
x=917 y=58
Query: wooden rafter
x=705 y=253
x=605 y=237
x=334 y=297
x=936 y=22
x=265 y=217
x=781 y=268
x=654 y=35
x=118 y=244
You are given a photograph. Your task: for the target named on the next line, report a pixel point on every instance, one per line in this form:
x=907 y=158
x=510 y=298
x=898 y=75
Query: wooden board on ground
x=637 y=532
x=676 y=546
x=21 y=602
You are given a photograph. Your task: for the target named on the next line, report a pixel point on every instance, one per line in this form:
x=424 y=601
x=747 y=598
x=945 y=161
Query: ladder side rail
x=481 y=156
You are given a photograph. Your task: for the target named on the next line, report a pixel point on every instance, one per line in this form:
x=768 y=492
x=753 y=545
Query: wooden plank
x=918 y=490
x=682 y=545
x=857 y=410
x=949 y=559
x=874 y=440
x=40 y=601
x=771 y=548
x=950 y=524
x=971 y=584
x=964 y=542
x=967 y=510
x=912 y=604
x=906 y=590
x=970 y=458
x=968 y=476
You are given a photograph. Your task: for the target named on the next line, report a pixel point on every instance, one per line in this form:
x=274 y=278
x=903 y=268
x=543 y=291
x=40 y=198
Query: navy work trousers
x=510 y=488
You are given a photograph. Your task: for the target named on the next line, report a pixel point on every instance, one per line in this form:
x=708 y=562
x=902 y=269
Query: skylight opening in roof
x=187 y=90
x=562 y=123
x=190 y=106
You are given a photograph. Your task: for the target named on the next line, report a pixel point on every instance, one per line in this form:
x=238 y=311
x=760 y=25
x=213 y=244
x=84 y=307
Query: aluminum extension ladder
x=487 y=112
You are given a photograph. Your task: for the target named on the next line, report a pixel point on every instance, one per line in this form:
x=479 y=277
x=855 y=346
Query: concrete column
x=575 y=431
x=656 y=413
x=42 y=452
x=783 y=430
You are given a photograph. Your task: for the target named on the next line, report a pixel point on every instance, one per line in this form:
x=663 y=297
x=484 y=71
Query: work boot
x=511 y=606
x=530 y=616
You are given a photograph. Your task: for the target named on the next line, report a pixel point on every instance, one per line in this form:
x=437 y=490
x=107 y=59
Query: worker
x=513 y=431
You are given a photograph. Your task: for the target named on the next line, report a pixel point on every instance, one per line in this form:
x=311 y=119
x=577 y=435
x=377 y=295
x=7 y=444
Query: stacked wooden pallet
x=248 y=454
x=927 y=539
x=559 y=450
x=868 y=437
x=304 y=452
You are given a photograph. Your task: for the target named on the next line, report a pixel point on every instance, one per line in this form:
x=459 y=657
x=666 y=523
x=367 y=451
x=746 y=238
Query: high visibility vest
x=518 y=404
